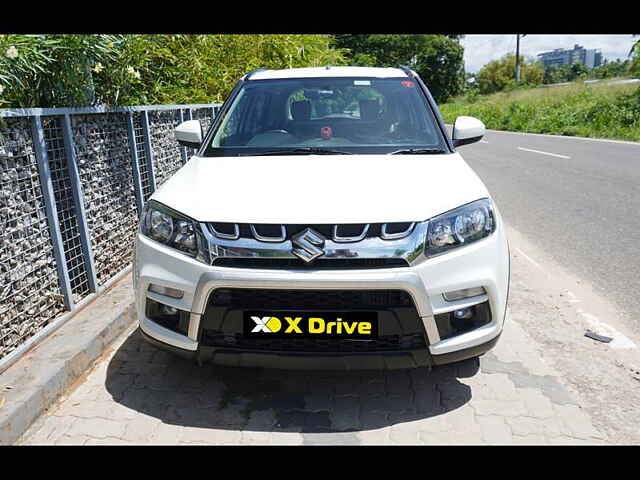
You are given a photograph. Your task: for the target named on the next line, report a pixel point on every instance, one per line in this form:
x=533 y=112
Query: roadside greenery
x=80 y=70
x=599 y=111
x=634 y=68
x=498 y=75
x=438 y=59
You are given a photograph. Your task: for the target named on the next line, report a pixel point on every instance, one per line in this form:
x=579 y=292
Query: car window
x=355 y=113
x=337 y=103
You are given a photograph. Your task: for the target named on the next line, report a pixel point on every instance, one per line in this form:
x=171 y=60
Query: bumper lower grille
x=400 y=327
x=251 y=298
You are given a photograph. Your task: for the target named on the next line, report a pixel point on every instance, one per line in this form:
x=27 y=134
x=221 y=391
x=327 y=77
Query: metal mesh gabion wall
x=104 y=162
x=30 y=295
x=143 y=161
x=167 y=158
x=65 y=205
x=68 y=191
x=205 y=115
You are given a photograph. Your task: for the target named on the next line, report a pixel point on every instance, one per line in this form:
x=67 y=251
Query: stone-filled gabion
x=167 y=157
x=30 y=292
x=205 y=117
x=66 y=207
x=104 y=163
x=30 y=295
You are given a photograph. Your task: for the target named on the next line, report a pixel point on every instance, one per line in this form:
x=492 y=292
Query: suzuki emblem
x=308 y=245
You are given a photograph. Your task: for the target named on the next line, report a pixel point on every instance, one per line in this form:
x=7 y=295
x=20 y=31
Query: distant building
x=561 y=56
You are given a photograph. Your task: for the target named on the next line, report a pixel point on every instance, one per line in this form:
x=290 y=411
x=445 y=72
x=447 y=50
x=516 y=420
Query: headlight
x=173 y=229
x=459 y=227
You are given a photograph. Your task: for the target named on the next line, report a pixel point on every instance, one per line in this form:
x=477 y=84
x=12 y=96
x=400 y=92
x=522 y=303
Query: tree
x=81 y=70
x=497 y=75
x=634 y=68
x=555 y=74
x=438 y=59
x=52 y=70
x=577 y=70
x=616 y=68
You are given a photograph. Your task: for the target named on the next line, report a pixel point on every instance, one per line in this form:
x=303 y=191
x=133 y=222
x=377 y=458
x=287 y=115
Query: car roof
x=319 y=72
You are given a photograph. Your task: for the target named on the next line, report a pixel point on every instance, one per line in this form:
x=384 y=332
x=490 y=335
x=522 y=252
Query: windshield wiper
x=298 y=151
x=417 y=151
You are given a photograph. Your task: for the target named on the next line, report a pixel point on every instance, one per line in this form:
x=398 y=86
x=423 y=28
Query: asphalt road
x=576 y=199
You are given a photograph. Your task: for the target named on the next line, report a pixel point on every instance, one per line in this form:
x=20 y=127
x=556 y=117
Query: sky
x=481 y=49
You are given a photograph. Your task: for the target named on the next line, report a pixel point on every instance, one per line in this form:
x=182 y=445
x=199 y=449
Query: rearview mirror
x=189 y=133
x=467 y=130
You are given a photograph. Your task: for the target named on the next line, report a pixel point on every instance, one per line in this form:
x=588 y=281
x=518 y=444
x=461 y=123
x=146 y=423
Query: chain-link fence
x=72 y=184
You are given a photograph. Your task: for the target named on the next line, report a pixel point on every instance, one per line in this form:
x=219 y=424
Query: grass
x=596 y=110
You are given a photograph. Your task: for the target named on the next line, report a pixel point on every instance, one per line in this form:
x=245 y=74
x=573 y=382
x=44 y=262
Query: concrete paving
x=38 y=379
x=140 y=395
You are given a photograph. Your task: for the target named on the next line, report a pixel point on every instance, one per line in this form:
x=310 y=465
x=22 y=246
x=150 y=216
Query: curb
x=31 y=385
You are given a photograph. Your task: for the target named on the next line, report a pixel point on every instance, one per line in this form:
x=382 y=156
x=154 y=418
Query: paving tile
x=96 y=427
x=576 y=421
x=139 y=395
x=378 y=436
x=210 y=436
x=495 y=430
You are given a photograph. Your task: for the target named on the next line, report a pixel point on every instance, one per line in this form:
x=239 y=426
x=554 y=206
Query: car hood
x=320 y=188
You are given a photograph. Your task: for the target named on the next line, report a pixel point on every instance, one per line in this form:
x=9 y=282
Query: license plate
x=353 y=325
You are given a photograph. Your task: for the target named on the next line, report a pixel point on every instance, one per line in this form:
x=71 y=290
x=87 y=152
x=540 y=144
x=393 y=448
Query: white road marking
x=619 y=341
x=567 y=137
x=529 y=258
x=544 y=153
x=483 y=141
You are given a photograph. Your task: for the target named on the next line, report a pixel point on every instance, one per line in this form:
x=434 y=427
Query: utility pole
x=518 y=56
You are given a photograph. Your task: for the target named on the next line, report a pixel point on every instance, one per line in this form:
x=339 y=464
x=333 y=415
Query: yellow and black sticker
x=360 y=325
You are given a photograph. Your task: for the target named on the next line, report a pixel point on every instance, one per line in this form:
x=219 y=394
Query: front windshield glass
x=350 y=115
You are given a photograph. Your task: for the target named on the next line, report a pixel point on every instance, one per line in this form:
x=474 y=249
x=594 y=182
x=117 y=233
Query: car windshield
x=325 y=116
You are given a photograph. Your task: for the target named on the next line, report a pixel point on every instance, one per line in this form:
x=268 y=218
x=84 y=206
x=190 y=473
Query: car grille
x=320 y=264
x=281 y=233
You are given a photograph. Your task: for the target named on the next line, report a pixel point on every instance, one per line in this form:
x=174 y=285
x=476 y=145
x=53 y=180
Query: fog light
x=464 y=293
x=168 y=316
x=463 y=313
x=166 y=291
x=462 y=320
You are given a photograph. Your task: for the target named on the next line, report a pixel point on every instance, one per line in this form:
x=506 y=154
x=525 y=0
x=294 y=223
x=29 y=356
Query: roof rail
x=407 y=70
x=248 y=75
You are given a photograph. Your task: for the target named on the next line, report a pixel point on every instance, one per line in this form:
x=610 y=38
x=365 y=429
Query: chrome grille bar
x=395 y=236
x=340 y=239
x=226 y=236
x=281 y=238
x=409 y=248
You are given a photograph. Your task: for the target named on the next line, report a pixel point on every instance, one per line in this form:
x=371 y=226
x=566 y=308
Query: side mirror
x=467 y=130
x=189 y=133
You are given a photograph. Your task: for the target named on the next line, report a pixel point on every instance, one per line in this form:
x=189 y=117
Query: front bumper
x=484 y=263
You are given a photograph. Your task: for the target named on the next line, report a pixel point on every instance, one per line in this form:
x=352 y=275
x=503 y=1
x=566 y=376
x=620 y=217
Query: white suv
x=326 y=221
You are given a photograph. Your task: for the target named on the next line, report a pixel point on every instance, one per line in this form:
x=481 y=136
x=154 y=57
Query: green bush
x=578 y=110
x=498 y=75
x=81 y=70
